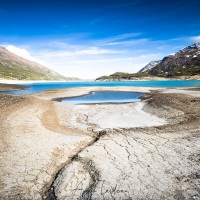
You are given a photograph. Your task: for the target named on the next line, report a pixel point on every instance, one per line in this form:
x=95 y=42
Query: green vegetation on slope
x=122 y=75
x=189 y=71
x=176 y=72
x=25 y=74
x=17 y=68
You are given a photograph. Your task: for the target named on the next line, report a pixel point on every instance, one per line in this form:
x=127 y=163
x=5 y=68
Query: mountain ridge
x=184 y=62
x=14 y=67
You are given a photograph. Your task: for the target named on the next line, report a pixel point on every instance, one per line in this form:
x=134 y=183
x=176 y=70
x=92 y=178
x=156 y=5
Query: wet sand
x=142 y=150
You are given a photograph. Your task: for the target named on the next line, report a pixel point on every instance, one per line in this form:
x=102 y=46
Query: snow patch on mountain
x=195 y=46
x=149 y=66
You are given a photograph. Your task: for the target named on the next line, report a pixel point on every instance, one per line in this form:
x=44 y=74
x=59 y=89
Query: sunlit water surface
x=39 y=87
x=105 y=97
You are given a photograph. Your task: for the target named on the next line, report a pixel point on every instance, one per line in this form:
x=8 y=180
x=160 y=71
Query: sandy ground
x=143 y=150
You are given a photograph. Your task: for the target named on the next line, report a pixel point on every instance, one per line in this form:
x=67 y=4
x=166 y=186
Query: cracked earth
x=143 y=150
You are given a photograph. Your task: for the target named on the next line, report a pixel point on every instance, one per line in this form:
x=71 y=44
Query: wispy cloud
x=77 y=53
x=195 y=38
x=117 y=38
x=128 y=42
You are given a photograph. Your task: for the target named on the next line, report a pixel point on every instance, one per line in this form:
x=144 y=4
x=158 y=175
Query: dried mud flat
x=51 y=150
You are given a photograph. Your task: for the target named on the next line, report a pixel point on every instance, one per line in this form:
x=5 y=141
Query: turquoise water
x=105 y=97
x=39 y=87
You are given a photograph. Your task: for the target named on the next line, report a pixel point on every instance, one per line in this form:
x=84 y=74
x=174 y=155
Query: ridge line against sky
x=88 y=38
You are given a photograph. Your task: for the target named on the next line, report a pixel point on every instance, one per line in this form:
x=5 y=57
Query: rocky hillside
x=149 y=66
x=17 y=68
x=185 y=62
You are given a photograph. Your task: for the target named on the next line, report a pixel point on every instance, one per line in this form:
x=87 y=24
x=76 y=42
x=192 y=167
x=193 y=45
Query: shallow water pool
x=105 y=97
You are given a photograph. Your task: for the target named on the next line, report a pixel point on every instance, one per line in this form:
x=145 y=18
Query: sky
x=91 y=38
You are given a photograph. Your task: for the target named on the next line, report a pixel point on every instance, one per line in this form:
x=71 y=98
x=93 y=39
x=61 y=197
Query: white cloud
x=94 y=50
x=195 y=38
x=22 y=52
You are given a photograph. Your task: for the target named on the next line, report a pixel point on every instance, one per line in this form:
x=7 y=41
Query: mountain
x=17 y=68
x=115 y=76
x=121 y=76
x=185 y=62
x=149 y=66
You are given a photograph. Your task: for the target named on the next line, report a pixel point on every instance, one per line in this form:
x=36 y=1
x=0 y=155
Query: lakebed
x=140 y=150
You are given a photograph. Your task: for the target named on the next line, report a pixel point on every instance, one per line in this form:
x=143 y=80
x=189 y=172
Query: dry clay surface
x=157 y=162
x=34 y=146
x=51 y=150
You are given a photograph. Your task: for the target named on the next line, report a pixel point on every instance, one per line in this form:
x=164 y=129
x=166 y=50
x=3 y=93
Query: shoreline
x=38 y=81
x=89 y=93
x=59 y=148
x=123 y=80
x=151 y=78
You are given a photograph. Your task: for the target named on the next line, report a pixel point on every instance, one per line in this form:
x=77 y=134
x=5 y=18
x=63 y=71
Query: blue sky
x=90 y=38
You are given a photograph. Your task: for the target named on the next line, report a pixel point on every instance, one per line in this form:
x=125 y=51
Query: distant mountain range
x=185 y=62
x=13 y=67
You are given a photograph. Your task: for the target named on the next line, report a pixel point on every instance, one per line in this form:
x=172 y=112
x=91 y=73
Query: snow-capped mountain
x=184 y=62
x=193 y=47
x=149 y=66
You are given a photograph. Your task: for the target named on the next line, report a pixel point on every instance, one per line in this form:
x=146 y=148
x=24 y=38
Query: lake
x=39 y=87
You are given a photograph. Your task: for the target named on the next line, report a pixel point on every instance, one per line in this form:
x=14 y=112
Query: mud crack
x=88 y=166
